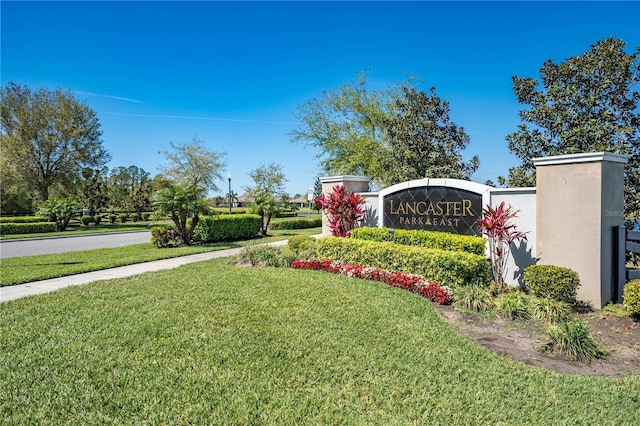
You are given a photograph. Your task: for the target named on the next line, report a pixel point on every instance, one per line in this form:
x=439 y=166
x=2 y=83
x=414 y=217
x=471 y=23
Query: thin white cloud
x=98 y=95
x=194 y=117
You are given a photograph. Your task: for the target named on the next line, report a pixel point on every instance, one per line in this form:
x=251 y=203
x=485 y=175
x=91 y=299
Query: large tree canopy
x=374 y=133
x=50 y=136
x=192 y=163
x=587 y=103
x=424 y=142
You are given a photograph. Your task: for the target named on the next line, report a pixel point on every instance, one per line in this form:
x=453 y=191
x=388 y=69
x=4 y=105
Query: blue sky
x=233 y=73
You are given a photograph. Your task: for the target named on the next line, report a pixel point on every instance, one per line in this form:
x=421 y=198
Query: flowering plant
x=410 y=282
x=343 y=210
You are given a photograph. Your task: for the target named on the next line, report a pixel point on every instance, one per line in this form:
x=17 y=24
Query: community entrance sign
x=447 y=205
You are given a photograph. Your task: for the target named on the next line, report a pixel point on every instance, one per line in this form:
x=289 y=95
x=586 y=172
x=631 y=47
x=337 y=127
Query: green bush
x=473 y=298
x=164 y=236
x=265 y=255
x=27 y=228
x=441 y=266
x=514 y=305
x=123 y=217
x=573 y=339
x=426 y=239
x=302 y=223
x=227 y=227
x=286 y=214
x=631 y=296
x=146 y=216
x=556 y=282
x=134 y=217
x=22 y=219
x=97 y=219
x=301 y=245
x=112 y=218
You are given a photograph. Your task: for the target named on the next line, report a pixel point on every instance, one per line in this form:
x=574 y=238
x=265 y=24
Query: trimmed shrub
x=443 y=267
x=556 y=282
x=86 y=220
x=97 y=219
x=301 y=245
x=296 y=223
x=426 y=239
x=631 y=297
x=265 y=256
x=112 y=218
x=23 y=219
x=227 y=227
x=164 y=236
x=134 y=217
x=27 y=228
x=573 y=339
x=286 y=214
x=146 y=216
x=513 y=305
x=473 y=298
x=123 y=217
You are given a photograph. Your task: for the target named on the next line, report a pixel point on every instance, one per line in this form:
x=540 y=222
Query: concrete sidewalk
x=46 y=286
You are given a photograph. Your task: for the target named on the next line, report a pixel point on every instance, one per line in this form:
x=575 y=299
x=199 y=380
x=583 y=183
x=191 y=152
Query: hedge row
x=227 y=227
x=297 y=223
x=426 y=239
x=440 y=266
x=27 y=228
x=22 y=219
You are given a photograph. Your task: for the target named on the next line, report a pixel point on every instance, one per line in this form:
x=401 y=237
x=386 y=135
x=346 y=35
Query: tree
x=50 y=136
x=181 y=204
x=346 y=125
x=269 y=181
x=423 y=140
x=59 y=210
x=94 y=190
x=130 y=188
x=587 y=103
x=192 y=163
x=373 y=133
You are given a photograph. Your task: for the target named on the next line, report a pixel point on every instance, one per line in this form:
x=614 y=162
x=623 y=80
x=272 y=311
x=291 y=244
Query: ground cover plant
x=33 y=268
x=209 y=343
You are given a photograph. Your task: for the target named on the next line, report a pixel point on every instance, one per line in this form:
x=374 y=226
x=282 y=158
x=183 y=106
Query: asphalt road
x=32 y=247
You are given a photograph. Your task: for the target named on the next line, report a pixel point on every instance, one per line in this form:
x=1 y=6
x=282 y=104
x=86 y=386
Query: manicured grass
x=19 y=270
x=209 y=343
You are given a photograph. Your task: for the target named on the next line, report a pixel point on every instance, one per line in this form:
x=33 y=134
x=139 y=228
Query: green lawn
x=208 y=343
x=33 y=268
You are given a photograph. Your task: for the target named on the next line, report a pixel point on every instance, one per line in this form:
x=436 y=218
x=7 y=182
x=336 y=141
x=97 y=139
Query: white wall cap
x=523 y=190
x=346 y=178
x=478 y=188
x=586 y=157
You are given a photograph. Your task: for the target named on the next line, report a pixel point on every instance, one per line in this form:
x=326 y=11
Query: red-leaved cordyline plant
x=343 y=209
x=495 y=225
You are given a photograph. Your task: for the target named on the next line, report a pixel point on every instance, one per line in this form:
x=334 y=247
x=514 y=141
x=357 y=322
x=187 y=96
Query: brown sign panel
x=434 y=208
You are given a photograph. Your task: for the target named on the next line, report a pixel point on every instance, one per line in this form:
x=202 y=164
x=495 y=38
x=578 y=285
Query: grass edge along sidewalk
x=20 y=270
x=46 y=286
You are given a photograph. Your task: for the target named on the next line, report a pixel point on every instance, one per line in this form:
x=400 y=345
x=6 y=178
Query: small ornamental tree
x=60 y=211
x=495 y=225
x=343 y=209
x=181 y=204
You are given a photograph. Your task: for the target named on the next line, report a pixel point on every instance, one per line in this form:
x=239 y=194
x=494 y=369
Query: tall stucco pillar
x=351 y=184
x=580 y=199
